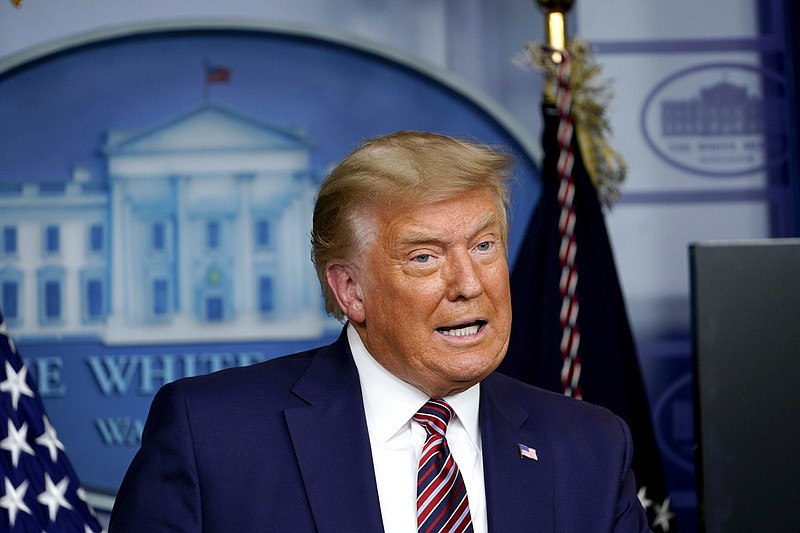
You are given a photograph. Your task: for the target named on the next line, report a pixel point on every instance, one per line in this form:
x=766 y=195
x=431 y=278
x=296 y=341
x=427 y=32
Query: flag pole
x=555 y=25
x=555 y=29
x=206 y=67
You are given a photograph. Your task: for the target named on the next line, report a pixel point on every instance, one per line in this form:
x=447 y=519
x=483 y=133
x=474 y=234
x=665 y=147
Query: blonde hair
x=407 y=166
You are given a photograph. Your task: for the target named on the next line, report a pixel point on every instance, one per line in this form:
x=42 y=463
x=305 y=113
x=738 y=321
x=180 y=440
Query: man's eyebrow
x=488 y=220
x=421 y=238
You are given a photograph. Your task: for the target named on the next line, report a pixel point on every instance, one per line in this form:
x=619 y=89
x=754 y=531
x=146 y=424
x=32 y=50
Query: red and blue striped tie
x=442 y=504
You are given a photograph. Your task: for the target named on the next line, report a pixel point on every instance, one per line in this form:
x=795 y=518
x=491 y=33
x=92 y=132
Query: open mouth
x=462 y=330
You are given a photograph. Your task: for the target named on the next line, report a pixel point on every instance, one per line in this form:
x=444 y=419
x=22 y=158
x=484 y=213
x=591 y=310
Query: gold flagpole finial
x=17 y=3
x=555 y=15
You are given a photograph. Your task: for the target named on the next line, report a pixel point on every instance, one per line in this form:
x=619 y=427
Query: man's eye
x=484 y=246
x=421 y=258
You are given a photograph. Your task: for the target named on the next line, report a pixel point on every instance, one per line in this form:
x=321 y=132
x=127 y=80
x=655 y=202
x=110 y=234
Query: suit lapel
x=332 y=444
x=518 y=490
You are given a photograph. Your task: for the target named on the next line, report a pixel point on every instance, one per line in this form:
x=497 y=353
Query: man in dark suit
x=402 y=422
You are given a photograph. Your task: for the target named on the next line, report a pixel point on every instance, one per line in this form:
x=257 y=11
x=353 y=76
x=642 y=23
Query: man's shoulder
x=542 y=404
x=274 y=368
x=574 y=428
x=257 y=382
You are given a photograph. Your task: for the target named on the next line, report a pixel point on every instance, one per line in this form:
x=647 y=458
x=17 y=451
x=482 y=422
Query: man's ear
x=343 y=281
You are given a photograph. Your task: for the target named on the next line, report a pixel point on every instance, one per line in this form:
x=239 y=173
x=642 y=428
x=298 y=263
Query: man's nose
x=463 y=276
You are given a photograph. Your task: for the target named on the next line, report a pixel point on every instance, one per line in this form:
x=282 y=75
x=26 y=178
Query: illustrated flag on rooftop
x=217 y=73
x=571 y=332
x=39 y=490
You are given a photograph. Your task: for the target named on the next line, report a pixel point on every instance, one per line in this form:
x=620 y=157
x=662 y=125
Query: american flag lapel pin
x=526 y=452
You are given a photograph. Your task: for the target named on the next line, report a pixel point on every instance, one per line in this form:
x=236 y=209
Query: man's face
x=435 y=291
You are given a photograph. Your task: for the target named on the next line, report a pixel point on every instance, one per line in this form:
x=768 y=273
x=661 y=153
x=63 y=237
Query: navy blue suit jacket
x=282 y=446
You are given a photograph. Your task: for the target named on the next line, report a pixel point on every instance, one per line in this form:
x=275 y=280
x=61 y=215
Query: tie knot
x=434 y=416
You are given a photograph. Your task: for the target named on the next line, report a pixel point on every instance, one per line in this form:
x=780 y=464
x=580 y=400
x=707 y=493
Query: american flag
x=39 y=490
x=528 y=452
x=217 y=74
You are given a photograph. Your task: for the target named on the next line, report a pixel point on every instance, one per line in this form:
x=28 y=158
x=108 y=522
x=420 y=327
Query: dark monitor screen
x=746 y=328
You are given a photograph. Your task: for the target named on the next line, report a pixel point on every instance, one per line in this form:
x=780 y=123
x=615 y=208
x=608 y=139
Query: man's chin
x=471 y=374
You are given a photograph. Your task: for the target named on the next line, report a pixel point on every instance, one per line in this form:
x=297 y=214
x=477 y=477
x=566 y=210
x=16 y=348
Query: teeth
x=460 y=332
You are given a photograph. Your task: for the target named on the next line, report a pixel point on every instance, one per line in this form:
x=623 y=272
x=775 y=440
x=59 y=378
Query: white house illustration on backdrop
x=200 y=234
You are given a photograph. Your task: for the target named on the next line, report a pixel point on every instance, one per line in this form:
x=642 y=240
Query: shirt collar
x=390 y=402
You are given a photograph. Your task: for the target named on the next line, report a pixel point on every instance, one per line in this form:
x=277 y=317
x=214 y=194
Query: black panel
x=746 y=320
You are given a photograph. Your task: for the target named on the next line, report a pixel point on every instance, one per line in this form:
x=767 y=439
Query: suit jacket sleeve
x=160 y=490
x=630 y=515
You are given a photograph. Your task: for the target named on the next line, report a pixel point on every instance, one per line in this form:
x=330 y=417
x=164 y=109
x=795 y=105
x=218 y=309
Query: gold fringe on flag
x=590 y=100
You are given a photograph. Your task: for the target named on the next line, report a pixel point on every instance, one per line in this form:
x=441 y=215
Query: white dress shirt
x=396 y=441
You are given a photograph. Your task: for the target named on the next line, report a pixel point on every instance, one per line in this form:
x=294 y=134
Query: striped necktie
x=442 y=504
